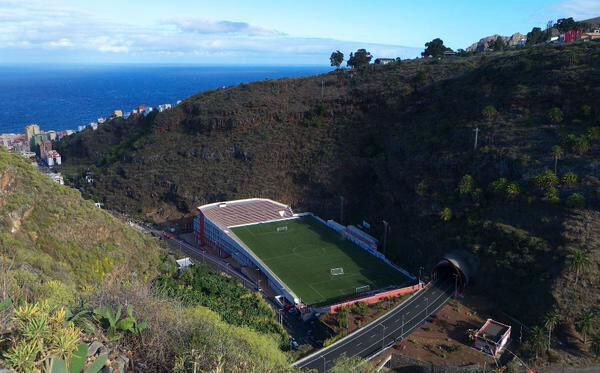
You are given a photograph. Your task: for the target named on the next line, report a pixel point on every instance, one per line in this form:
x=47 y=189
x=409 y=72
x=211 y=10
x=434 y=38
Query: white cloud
x=579 y=9
x=48 y=29
x=206 y=26
x=61 y=43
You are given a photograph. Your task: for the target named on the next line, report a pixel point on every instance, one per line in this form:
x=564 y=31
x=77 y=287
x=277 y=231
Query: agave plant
x=76 y=362
x=113 y=323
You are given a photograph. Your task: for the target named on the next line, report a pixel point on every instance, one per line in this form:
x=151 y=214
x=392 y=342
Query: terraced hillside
x=397 y=141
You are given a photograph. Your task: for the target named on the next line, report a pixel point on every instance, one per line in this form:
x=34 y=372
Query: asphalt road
x=385 y=331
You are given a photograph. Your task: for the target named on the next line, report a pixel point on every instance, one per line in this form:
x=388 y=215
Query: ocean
x=65 y=97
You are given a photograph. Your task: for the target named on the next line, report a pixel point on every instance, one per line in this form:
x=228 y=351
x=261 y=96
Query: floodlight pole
x=427 y=307
x=476 y=130
x=420 y=273
x=386 y=228
x=324 y=364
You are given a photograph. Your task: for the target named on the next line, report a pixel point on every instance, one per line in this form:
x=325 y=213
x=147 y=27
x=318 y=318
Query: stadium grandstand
x=309 y=261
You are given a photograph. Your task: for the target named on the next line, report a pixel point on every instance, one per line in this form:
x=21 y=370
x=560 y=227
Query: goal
x=362 y=289
x=337 y=271
x=282 y=229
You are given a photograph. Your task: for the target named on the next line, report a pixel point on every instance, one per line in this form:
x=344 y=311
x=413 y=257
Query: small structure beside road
x=492 y=337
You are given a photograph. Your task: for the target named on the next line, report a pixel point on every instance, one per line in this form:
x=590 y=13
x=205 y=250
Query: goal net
x=337 y=271
x=282 y=229
x=362 y=289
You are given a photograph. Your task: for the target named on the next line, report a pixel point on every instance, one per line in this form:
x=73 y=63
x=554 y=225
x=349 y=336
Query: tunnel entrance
x=446 y=271
x=458 y=267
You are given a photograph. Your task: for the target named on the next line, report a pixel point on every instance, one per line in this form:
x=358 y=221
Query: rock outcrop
x=487 y=42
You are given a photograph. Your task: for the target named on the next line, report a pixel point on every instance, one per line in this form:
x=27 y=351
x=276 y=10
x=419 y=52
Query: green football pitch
x=303 y=252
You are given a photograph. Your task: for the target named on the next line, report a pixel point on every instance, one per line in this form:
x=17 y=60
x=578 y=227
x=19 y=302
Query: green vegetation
x=435 y=48
x=304 y=254
x=360 y=58
x=55 y=244
x=578 y=261
x=336 y=59
x=555 y=115
x=226 y=296
x=67 y=269
x=395 y=141
x=489 y=113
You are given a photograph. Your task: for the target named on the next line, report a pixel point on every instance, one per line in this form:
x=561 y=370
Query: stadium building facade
x=215 y=224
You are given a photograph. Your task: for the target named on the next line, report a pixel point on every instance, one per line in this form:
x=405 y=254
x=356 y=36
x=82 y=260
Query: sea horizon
x=64 y=96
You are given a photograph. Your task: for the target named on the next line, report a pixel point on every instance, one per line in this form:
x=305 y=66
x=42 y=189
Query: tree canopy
x=435 y=48
x=565 y=24
x=336 y=59
x=359 y=58
x=535 y=36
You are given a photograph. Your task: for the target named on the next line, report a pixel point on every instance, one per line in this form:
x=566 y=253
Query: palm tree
x=578 y=261
x=550 y=322
x=558 y=153
x=537 y=340
x=585 y=325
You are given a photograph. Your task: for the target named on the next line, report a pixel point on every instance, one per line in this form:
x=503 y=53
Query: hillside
x=67 y=268
x=49 y=233
x=397 y=142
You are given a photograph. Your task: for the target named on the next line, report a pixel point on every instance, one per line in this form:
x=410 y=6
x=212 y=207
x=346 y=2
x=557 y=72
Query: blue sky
x=256 y=31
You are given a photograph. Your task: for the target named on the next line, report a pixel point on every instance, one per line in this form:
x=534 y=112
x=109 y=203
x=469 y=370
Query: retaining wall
x=375 y=298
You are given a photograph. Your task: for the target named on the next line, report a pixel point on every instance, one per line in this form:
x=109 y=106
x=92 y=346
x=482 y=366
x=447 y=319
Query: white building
x=492 y=337
x=53 y=158
x=164 y=107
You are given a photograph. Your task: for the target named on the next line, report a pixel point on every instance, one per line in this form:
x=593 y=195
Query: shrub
x=555 y=115
x=552 y=195
x=594 y=133
x=576 y=200
x=579 y=144
x=499 y=186
x=512 y=191
x=570 y=179
x=446 y=214
x=489 y=113
x=39 y=335
x=546 y=180
x=466 y=185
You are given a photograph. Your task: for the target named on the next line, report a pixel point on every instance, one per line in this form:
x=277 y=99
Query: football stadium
x=311 y=262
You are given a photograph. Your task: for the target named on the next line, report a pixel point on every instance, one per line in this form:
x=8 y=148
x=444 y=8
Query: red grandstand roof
x=247 y=211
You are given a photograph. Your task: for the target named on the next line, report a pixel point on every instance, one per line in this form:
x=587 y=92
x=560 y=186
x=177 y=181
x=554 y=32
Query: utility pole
x=476 y=130
x=322 y=89
x=342 y=210
x=427 y=307
x=420 y=273
x=386 y=228
x=324 y=364
x=382 y=335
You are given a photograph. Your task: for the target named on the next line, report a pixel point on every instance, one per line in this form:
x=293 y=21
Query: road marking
x=363 y=331
x=373 y=336
x=358 y=344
